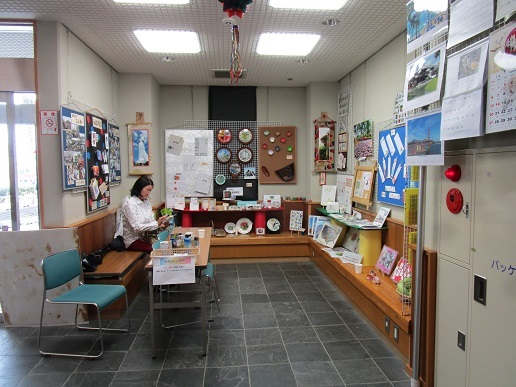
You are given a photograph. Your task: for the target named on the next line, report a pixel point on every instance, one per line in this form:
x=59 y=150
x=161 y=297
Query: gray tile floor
x=281 y=324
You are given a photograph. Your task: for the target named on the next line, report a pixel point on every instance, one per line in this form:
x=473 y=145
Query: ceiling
x=106 y=27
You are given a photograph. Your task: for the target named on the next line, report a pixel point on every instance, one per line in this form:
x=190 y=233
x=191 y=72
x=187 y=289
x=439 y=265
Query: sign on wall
x=391 y=166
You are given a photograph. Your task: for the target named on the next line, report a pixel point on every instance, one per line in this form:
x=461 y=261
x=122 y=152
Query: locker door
x=452 y=317
x=493 y=338
x=455 y=229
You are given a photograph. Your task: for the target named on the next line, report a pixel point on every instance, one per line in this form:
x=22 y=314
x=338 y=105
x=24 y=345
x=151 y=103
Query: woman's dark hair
x=143 y=181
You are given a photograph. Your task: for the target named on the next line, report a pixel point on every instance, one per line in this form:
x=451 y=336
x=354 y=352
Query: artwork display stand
x=364 y=184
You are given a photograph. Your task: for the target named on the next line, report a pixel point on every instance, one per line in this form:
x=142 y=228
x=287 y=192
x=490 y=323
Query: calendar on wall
x=501 y=87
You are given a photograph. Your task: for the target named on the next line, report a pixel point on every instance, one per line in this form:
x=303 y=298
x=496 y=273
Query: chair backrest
x=61 y=268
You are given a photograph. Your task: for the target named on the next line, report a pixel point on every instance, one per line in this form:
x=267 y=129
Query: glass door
x=19 y=205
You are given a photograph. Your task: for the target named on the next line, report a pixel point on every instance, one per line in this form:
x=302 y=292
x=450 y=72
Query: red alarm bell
x=454 y=201
x=453 y=173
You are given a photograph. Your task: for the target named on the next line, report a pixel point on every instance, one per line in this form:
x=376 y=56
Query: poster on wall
x=423 y=79
x=97 y=156
x=115 y=165
x=423 y=139
x=501 y=84
x=363 y=139
x=425 y=21
x=73 y=148
x=138 y=135
x=391 y=164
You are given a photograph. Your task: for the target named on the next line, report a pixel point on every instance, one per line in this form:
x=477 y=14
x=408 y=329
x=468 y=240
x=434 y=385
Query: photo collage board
x=90 y=148
x=97 y=157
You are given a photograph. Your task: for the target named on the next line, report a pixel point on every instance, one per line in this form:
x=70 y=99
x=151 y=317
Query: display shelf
x=369 y=244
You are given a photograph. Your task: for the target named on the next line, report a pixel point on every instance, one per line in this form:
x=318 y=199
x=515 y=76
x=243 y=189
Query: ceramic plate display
x=230 y=228
x=245 y=155
x=235 y=169
x=220 y=179
x=245 y=136
x=273 y=224
x=224 y=135
x=244 y=225
x=223 y=155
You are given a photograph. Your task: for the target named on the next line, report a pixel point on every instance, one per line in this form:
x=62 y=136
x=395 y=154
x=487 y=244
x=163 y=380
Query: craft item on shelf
x=296 y=220
x=273 y=225
x=351 y=240
x=329 y=234
x=230 y=227
x=244 y=225
x=403 y=270
x=387 y=259
x=220 y=179
x=224 y=155
x=245 y=155
x=224 y=135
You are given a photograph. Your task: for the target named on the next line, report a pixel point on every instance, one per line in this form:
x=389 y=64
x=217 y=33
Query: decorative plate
x=245 y=136
x=220 y=179
x=234 y=169
x=224 y=155
x=245 y=155
x=244 y=225
x=224 y=135
x=273 y=224
x=230 y=228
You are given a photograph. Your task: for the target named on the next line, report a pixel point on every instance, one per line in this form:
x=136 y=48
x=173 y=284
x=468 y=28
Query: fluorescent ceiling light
x=15 y=28
x=169 y=41
x=286 y=44
x=307 y=4
x=153 y=1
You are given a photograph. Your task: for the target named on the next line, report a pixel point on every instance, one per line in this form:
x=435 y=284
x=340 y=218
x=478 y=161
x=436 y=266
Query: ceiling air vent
x=224 y=74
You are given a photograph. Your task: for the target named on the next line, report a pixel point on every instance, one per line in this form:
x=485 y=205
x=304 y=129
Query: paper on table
x=173 y=269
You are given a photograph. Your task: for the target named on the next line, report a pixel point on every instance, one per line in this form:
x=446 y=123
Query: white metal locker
x=452 y=317
x=493 y=338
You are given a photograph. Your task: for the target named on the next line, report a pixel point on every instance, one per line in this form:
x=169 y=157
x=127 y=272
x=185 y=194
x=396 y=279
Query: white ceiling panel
x=107 y=28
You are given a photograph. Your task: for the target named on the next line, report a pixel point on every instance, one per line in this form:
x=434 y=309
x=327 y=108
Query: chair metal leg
x=82 y=327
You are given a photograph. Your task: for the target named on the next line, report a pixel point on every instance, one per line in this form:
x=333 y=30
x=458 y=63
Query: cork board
x=277 y=147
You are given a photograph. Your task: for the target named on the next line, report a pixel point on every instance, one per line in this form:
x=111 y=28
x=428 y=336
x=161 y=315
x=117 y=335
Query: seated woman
x=138 y=217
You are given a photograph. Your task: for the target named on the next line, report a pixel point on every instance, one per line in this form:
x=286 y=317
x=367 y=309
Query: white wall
x=67 y=67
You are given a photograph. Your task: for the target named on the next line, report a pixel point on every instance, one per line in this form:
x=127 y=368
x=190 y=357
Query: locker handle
x=480 y=289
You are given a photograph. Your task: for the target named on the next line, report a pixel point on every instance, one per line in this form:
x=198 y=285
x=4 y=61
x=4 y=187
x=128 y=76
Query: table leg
x=204 y=320
x=151 y=309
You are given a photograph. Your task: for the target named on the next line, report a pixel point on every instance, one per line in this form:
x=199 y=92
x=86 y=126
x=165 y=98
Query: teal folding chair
x=63 y=267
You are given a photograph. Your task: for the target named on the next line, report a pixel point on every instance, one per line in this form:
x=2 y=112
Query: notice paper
x=178 y=269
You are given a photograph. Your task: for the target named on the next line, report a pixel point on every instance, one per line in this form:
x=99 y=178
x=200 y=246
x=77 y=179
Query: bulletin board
x=364 y=184
x=189 y=162
x=277 y=147
x=97 y=156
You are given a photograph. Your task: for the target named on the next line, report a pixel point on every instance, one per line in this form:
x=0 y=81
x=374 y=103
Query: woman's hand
x=163 y=221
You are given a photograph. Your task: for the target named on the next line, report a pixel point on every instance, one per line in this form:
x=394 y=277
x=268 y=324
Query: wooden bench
x=121 y=268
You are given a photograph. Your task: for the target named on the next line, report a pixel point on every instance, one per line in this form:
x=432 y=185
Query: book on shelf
x=319 y=223
x=351 y=240
x=329 y=234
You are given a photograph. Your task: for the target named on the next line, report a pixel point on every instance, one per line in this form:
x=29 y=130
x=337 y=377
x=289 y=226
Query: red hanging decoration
x=235 y=67
x=235 y=7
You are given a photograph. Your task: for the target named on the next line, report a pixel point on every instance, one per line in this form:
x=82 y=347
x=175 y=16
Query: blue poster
x=391 y=166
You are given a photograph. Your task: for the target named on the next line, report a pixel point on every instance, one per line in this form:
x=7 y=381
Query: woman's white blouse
x=137 y=217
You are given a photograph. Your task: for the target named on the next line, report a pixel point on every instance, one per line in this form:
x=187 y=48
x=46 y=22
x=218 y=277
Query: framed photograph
x=423 y=139
x=223 y=155
x=245 y=135
x=224 y=136
x=245 y=155
x=387 y=259
x=139 y=149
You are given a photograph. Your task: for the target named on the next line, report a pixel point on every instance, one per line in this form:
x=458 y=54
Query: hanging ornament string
x=235 y=67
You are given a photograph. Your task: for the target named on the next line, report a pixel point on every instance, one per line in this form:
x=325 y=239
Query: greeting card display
x=387 y=259
x=403 y=270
